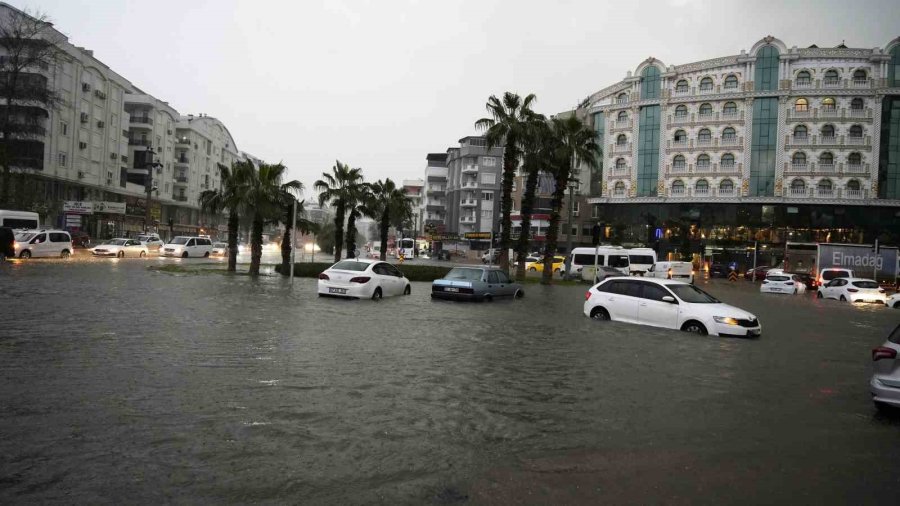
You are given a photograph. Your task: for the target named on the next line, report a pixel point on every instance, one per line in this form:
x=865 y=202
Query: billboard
x=861 y=259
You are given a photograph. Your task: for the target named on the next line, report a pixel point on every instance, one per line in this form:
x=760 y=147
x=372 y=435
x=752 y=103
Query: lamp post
x=150 y=164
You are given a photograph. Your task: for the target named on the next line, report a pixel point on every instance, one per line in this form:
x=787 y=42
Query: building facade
x=772 y=144
x=474 y=179
x=435 y=201
x=415 y=191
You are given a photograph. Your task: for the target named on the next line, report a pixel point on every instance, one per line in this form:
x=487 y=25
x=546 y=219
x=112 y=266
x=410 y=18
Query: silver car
x=475 y=283
x=885 y=383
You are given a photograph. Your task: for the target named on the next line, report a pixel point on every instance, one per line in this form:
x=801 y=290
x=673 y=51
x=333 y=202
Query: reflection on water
x=119 y=382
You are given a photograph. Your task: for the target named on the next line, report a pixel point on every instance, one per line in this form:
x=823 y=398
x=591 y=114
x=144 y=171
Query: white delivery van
x=19 y=219
x=43 y=243
x=640 y=260
x=606 y=256
x=682 y=271
x=184 y=247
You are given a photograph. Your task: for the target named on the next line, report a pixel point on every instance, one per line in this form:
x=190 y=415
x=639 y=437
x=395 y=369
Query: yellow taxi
x=538 y=264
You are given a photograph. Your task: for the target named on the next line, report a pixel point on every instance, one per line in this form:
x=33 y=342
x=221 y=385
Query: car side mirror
x=669 y=299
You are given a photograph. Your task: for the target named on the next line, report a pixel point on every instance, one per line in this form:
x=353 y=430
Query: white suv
x=43 y=243
x=184 y=247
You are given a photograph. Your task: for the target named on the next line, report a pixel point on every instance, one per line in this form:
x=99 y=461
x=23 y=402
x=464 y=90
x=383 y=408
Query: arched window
x=726 y=186
x=798 y=184
x=828 y=104
x=622 y=116
x=681 y=86
x=854 y=159
x=621 y=140
x=856 y=104
x=728 y=134
x=705 y=109
x=853 y=185
x=681 y=111
x=727 y=160
x=731 y=82
x=729 y=109
x=832 y=77
x=702 y=186
x=826 y=159
x=704 y=136
x=799 y=159
x=706 y=84
x=828 y=132
x=856 y=131
x=680 y=136
x=801 y=105
x=800 y=133
x=650 y=82
x=825 y=185
x=859 y=75
x=619 y=188
x=703 y=162
x=803 y=77
x=678 y=162
x=678 y=186
x=620 y=163
x=622 y=98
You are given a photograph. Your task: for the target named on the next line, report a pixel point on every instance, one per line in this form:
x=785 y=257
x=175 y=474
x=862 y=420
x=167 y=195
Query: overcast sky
x=379 y=84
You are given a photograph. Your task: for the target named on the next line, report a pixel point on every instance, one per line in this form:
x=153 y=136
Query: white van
x=43 y=243
x=640 y=260
x=607 y=256
x=184 y=247
x=683 y=271
x=19 y=219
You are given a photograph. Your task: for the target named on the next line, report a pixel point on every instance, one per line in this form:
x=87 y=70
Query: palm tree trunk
x=286 y=246
x=338 y=231
x=233 y=223
x=559 y=194
x=385 y=226
x=509 y=172
x=527 y=209
x=351 y=233
x=256 y=229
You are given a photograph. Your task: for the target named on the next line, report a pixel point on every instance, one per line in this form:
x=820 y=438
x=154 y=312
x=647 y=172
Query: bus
x=19 y=219
x=406 y=247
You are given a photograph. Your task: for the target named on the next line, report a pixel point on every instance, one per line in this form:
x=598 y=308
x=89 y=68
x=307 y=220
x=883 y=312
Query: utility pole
x=293 y=238
x=150 y=164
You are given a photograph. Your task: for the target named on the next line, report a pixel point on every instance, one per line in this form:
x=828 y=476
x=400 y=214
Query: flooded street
x=122 y=384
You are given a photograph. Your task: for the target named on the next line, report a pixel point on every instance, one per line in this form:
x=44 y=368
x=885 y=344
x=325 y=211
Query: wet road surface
x=124 y=385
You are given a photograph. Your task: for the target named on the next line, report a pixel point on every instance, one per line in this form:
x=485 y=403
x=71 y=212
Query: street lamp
x=572 y=184
x=150 y=164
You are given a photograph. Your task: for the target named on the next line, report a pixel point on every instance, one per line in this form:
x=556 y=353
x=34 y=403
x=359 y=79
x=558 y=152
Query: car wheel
x=184 y=255
x=556 y=271
x=532 y=269
x=599 y=313
x=488 y=298
x=694 y=327
x=25 y=254
x=818 y=295
x=64 y=254
x=142 y=255
x=519 y=294
x=206 y=255
x=897 y=305
x=843 y=299
x=407 y=290
x=377 y=294
x=121 y=254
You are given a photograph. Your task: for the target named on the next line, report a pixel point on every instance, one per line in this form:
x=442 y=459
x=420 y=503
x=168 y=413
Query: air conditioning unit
x=99 y=94
x=84 y=117
x=82 y=145
x=113 y=156
x=85 y=87
x=168 y=132
x=100 y=124
x=125 y=158
x=80 y=175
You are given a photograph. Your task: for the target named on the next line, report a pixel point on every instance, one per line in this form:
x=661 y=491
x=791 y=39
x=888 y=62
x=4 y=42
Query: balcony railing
x=619 y=171
x=858 y=113
x=181 y=179
x=825 y=168
x=704 y=167
x=136 y=119
x=726 y=192
x=727 y=166
x=707 y=90
x=677 y=192
x=701 y=192
x=180 y=198
x=622 y=148
x=705 y=116
x=625 y=123
x=681 y=118
x=467 y=219
x=802 y=113
x=704 y=141
x=181 y=159
x=831 y=83
x=828 y=139
x=469 y=184
x=803 y=84
x=854 y=194
x=731 y=140
x=681 y=143
x=469 y=169
x=468 y=203
x=860 y=83
x=731 y=115
x=679 y=168
x=856 y=141
x=183 y=142
x=798 y=192
x=682 y=92
x=855 y=168
x=798 y=167
x=825 y=192
x=829 y=112
x=800 y=139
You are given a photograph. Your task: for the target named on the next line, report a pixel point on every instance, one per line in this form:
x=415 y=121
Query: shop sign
x=862 y=259
x=78 y=207
x=477 y=235
x=445 y=237
x=110 y=207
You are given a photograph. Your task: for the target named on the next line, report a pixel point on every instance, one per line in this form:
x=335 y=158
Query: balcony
x=138 y=142
x=731 y=89
x=831 y=83
x=704 y=141
x=799 y=139
x=619 y=171
x=618 y=193
x=829 y=140
x=435 y=207
x=798 y=167
x=731 y=115
x=707 y=90
x=731 y=140
x=679 y=168
x=436 y=192
x=728 y=168
x=681 y=118
x=826 y=193
x=705 y=116
x=677 y=192
x=469 y=184
x=681 y=92
x=854 y=194
x=802 y=113
x=803 y=84
x=855 y=168
x=825 y=168
x=704 y=167
x=140 y=122
x=798 y=192
x=625 y=123
x=181 y=160
x=622 y=148
x=829 y=112
x=179 y=198
x=856 y=141
x=726 y=192
x=858 y=113
x=468 y=203
x=470 y=169
x=467 y=219
x=183 y=142
x=181 y=179
x=680 y=143
x=701 y=192
x=860 y=83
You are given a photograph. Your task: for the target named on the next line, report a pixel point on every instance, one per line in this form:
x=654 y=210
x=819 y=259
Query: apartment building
x=435 y=201
x=474 y=179
x=415 y=190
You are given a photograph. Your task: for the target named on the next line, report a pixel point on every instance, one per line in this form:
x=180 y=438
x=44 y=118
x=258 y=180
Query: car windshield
x=116 y=242
x=829 y=275
x=463 y=274
x=22 y=237
x=180 y=240
x=865 y=284
x=641 y=259
x=690 y=293
x=350 y=265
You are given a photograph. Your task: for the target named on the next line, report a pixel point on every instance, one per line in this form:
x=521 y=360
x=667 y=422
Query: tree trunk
x=527 y=209
x=256 y=229
x=510 y=161
x=286 y=246
x=385 y=226
x=553 y=231
x=338 y=231
x=233 y=223
x=351 y=233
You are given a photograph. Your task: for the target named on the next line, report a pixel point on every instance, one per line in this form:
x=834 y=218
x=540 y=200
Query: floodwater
x=118 y=384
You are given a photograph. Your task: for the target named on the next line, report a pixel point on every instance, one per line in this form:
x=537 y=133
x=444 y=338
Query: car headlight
x=727 y=320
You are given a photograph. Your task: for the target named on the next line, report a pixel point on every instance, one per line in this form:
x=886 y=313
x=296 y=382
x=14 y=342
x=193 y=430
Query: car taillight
x=360 y=279
x=324 y=276
x=587 y=295
x=852 y=290
x=883 y=352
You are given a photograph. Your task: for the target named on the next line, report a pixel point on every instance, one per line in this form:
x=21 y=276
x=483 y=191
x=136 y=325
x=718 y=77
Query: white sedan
x=852 y=289
x=120 y=248
x=363 y=279
x=782 y=282
x=893 y=301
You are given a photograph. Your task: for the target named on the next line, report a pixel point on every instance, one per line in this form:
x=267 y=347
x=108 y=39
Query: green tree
x=360 y=196
x=335 y=189
x=265 y=197
x=573 y=143
x=304 y=225
x=536 y=133
x=506 y=127
x=389 y=205
x=229 y=197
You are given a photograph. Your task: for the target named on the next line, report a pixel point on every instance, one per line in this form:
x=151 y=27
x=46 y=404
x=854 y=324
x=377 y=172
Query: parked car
x=668 y=304
x=829 y=273
x=219 y=249
x=120 y=248
x=885 y=382
x=557 y=264
x=475 y=283
x=893 y=301
x=80 y=239
x=184 y=247
x=760 y=273
x=609 y=256
x=682 y=271
x=152 y=241
x=607 y=272
x=363 y=279
x=718 y=271
x=7 y=243
x=853 y=290
x=806 y=279
x=778 y=281
x=43 y=243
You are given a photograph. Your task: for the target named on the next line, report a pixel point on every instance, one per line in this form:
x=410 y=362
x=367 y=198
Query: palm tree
x=573 y=143
x=357 y=206
x=229 y=196
x=265 y=197
x=507 y=126
x=335 y=189
x=304 y=225
x=532 y=142
x=389 y=205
